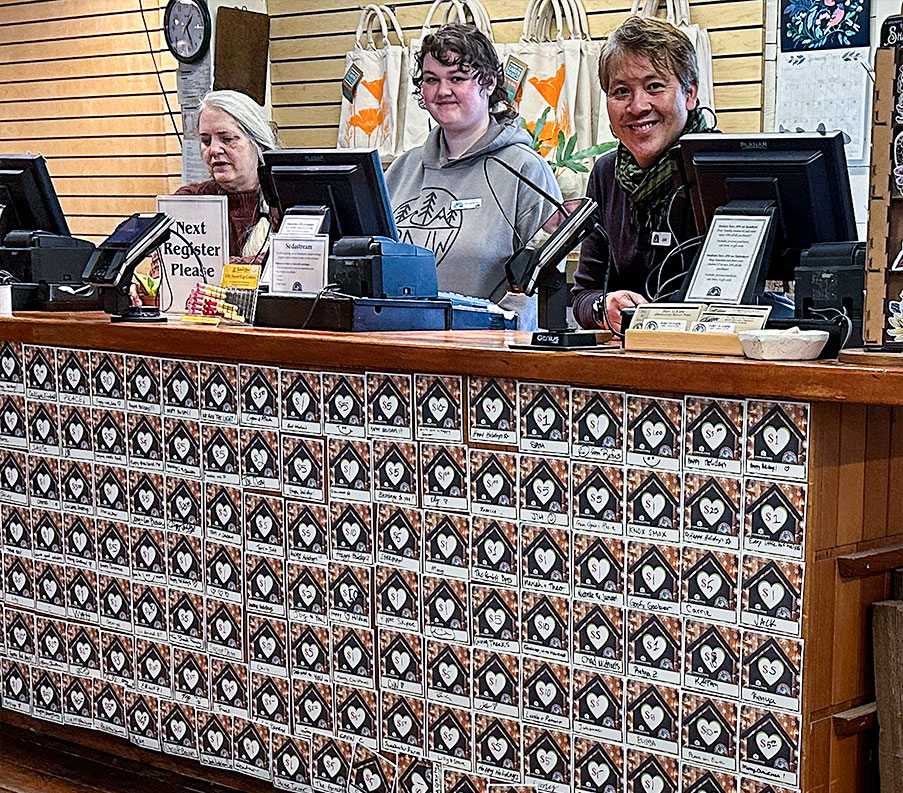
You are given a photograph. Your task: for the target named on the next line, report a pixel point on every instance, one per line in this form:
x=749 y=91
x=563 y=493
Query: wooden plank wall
x=79 y=86
x=309 y=39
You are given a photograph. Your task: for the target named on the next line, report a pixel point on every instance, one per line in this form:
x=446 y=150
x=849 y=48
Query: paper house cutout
x=359 y=528
x=215 y=739
x=448 y=723
x=662 y=587
x=108 y=378
x=596 y=704
x=534 y=766
x=42 y=426
x=589 y=420
x=724 y=596
x=438 y=395
x=214 y=458
x=343 y=404
x=218 y=393
x=723 y=744
x=309 y=653
x=399 y=529
x=401 y=660
x=347 y=715
x=597 y=635
x=329 y=756
x=12 y=473
x=302 y=467
x=271 y=591
x=47 y=535
x=13 y=418
x=115 y=601
x=591 y=563
x=18 y=578
x=588 y=769
x=299 y=401
x=496 y=682
x=229 y=688
x=666 y=515
x=76 y=431
x=40 y=371
x=223 y=512
x=777 y=419
x=543 y=683
x=769 y=574
x=111 y=491
x=117 y=656
x=544 y=403
x=663 y=656
x=148 y=554
x=190 y=677
x=142 y=383
x=73 y=375
x=259 y=458
x=388 y=404
x=542 y=473
x=492 y=408
x=651 y=769
x=347 y=593
x=708 y=783
x=308 y=594
x=313 y=709
x=350 y=461
x=770 y=669
x=455 y=484
x=455 y=618
x=553 y=635
x=185 y=617
x=711 y=491
x=270 y=703
x=401 y=607
x=77 y=699
x=544 y=544
x=497 y=747
x=349 y=647
x=10 y=364
x=184 y=505
x=589 y=501
x=179 y=386
x=713 y=416
x=81 y=593
x=253 y=400
x=306 y=532
x=250 y=736
x=146 y=497
x=495 y=550
x=782 y=757
x=108 y=706
x=49 y=589
x=711 y=656
x=455 y=683
x=47 y=692
x=401 y=712
x=775 y=498
x=263 y=523
x=152 y=666
x=494 y=604
x=653 y=414
x=666 y=728
x=181 y=445
x=52 y=643
x=502 y=483
x=445 y=531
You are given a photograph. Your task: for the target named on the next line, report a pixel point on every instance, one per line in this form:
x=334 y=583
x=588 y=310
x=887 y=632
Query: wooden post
x=887 y=635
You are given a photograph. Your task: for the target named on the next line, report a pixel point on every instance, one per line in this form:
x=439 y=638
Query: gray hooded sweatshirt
x=448 y=206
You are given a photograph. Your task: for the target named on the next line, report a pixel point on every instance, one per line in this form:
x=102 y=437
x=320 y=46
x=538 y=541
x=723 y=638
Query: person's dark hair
x=468 y=48
x=667 y=49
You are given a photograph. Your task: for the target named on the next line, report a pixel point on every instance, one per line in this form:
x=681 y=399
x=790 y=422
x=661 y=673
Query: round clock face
x=186 y=25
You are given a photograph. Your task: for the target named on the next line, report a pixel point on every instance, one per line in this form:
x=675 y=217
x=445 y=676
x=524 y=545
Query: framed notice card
x=732 y=255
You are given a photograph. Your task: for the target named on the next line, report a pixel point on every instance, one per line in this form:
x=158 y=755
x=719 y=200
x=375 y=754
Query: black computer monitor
x=28 y=201
x=348 y=181
x=804 y=175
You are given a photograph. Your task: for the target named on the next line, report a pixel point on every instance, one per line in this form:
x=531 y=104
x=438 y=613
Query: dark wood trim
x=855 y=720
x=874 y=561
x=471 y=352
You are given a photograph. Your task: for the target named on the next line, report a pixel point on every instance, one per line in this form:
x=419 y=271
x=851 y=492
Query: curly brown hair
x=468 y=48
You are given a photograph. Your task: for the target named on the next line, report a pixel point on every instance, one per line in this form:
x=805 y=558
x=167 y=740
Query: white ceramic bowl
x=783 y=345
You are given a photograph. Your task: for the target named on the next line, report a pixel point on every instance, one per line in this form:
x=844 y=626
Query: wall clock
x=186 y=26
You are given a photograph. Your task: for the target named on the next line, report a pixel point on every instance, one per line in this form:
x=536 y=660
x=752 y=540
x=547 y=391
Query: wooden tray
x=683 y=341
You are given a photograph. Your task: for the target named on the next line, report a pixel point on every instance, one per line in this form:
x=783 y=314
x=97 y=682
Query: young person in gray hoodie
x=449 y=195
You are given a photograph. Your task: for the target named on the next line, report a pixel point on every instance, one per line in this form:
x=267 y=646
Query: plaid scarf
x=650 y=189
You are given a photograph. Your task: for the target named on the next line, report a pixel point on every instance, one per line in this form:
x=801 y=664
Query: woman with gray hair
x=234 y=132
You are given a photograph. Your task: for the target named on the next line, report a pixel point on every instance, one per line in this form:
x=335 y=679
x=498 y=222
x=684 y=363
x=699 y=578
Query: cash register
x=38 y=254
x=375 y=281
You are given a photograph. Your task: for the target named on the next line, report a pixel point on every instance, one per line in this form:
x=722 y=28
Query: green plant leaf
x=150 y=285
x=569 y=149
x=594 y=151
x=540 y=126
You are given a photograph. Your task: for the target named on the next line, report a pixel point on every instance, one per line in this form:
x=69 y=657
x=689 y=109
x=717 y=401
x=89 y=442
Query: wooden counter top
x=469 y=352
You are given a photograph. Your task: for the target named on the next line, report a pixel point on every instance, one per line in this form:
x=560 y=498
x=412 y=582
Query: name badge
x=661 y=238
x=467 y=203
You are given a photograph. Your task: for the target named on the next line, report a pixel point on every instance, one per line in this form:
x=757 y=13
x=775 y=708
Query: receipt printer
x=38 y=256
x=380 y=267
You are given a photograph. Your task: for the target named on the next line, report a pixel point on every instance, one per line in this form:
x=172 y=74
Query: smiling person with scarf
x=650 y=77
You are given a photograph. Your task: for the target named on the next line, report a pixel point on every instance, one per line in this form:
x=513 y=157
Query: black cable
x=150 y=49
x=655 y=295
x=313 y=307
x=163 y=276
x=520 y=242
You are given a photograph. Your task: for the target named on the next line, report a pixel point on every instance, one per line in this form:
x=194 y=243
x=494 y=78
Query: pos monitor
x=28 y=201
x=798 y=180
x=347 y=181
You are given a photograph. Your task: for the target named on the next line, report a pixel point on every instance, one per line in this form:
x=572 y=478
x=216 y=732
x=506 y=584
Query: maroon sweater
x=632 y=253
x=244 y=210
